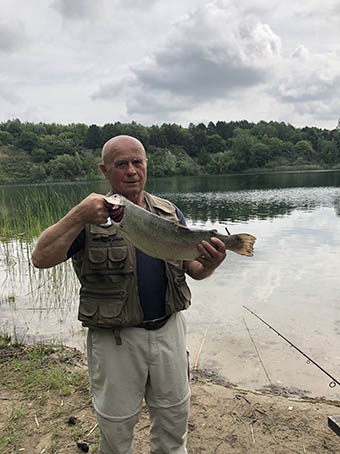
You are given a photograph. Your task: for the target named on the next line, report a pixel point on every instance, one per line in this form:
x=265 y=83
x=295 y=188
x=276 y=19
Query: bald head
x=119 y=144
x=124 y=164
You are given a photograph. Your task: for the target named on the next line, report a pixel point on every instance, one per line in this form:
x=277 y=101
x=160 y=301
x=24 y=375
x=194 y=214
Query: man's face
x=125 y=169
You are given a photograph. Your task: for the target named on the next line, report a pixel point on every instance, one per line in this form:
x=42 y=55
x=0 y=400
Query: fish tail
x=241 y=243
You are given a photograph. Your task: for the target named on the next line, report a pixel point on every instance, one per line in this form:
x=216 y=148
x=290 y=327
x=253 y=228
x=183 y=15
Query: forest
x=43 y=152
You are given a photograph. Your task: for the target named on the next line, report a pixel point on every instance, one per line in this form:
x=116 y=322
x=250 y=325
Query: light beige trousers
x=150 y=365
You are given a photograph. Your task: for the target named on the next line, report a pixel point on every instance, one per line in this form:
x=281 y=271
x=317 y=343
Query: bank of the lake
x=46 y=409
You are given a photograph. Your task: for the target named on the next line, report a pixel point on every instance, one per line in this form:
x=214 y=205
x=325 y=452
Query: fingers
x=93 y=209
x=212 y=254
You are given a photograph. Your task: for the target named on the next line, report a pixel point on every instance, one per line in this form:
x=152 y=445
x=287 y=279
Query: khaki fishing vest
x=106 y=269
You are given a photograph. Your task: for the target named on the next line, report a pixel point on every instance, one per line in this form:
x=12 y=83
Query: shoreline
x=46 y=407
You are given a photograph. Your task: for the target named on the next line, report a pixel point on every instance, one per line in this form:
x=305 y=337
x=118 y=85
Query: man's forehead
x=131 y=153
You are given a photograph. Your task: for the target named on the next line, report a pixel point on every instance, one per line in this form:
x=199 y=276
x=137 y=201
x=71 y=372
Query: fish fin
x=242 y=243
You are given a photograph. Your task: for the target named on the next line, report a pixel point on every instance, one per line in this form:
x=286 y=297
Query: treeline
x=31 y=152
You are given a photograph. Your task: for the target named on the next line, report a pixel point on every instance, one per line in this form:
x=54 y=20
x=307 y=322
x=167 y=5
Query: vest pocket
x=97 y=258
x=117 y=257
x=112 y=258
x=105 y=314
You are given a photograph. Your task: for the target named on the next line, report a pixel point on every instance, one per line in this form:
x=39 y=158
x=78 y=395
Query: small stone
x=83 y=446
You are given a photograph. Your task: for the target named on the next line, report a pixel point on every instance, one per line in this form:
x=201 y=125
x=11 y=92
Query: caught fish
x=164 y=239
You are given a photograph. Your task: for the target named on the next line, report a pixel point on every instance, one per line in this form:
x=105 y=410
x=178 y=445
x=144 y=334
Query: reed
x=25 y=215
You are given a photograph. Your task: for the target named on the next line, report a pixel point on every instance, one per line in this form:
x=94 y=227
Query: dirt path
x=45 y=407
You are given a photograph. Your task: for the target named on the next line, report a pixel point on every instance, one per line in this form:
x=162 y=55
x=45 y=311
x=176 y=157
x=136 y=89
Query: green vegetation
x=40 y=384
x=36 y=374
x=26 y=216
x=33 y=153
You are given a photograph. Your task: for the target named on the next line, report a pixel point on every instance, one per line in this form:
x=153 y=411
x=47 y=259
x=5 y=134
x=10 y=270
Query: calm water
x=292 y=281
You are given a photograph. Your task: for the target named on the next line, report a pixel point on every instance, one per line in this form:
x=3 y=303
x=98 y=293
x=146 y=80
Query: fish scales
x=167 y=240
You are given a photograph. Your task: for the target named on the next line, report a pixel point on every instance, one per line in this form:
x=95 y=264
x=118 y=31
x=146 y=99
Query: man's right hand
x=92 y=210
x=54 y=242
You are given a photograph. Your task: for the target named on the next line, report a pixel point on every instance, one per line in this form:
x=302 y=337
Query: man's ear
x=103 y=169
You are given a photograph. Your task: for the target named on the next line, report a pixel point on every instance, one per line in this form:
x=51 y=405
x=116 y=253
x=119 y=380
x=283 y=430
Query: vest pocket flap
x=88 y=309
x=105 y=231
x=111 y=310
x=117 y=254
x=97 y=255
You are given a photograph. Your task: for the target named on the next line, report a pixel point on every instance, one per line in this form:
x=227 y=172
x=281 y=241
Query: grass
x=38 y=380
x=25 y=214
x=35 y=373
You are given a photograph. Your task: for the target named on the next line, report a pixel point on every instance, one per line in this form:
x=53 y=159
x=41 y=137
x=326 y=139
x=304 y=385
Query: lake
x=292 y=282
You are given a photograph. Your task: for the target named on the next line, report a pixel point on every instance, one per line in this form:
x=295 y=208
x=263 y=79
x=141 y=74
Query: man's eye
x=121 y=165
x=137 y=162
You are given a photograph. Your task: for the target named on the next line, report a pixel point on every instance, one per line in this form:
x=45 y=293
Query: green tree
x=63 y=167
x=329 y=151
x=5 y=138
x=39 y=155
x=275 y=147
x=199 y=136
x=158 y=137
x=161 y=162
x=304 y=151
x=215 y=144
x=27 y=141
x=242 y=145
x=38 y=173
x=110 y=130
x=93 y=138
x=260 y=155
x=89 y=166
x=219 y=163
x=14 y=127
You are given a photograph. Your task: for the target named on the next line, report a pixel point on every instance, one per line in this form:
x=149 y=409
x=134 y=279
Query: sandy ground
x=224 y=419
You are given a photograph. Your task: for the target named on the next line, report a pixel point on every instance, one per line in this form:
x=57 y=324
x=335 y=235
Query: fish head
x=115 y=199
x=115 y=203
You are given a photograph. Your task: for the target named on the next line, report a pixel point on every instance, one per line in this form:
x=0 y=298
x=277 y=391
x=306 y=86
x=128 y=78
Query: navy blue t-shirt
x=151 y=277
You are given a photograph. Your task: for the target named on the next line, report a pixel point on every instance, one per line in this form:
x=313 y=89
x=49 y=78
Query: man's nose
x=131 y=168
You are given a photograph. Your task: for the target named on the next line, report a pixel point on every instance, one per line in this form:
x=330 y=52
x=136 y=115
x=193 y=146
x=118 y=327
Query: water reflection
x=223 y=198
x=258 y=204
x=225 y=183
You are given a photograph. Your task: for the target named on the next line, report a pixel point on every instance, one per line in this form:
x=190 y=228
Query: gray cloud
x=133 y=4
x=155 y=60
x=75 y=9
x=209 y=54
x=194 y=73
x=9 y=96
x=12 y=36
x=312 y=86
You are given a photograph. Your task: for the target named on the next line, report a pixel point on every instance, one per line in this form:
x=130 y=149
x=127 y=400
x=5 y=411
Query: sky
x=178 y=61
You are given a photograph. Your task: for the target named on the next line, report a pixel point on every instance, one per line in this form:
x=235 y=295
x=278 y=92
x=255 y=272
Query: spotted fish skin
x=163 y=239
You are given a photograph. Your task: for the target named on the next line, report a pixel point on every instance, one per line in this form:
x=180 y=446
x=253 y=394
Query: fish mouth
x=115 y=206
x=117 y=213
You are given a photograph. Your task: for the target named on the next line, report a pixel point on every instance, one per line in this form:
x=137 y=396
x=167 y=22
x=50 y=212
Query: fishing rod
x=331 y=384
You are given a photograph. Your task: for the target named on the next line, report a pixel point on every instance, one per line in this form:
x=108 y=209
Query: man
x=132 y=305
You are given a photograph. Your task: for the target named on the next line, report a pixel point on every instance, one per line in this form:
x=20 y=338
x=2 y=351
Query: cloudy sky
x=178 y=61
